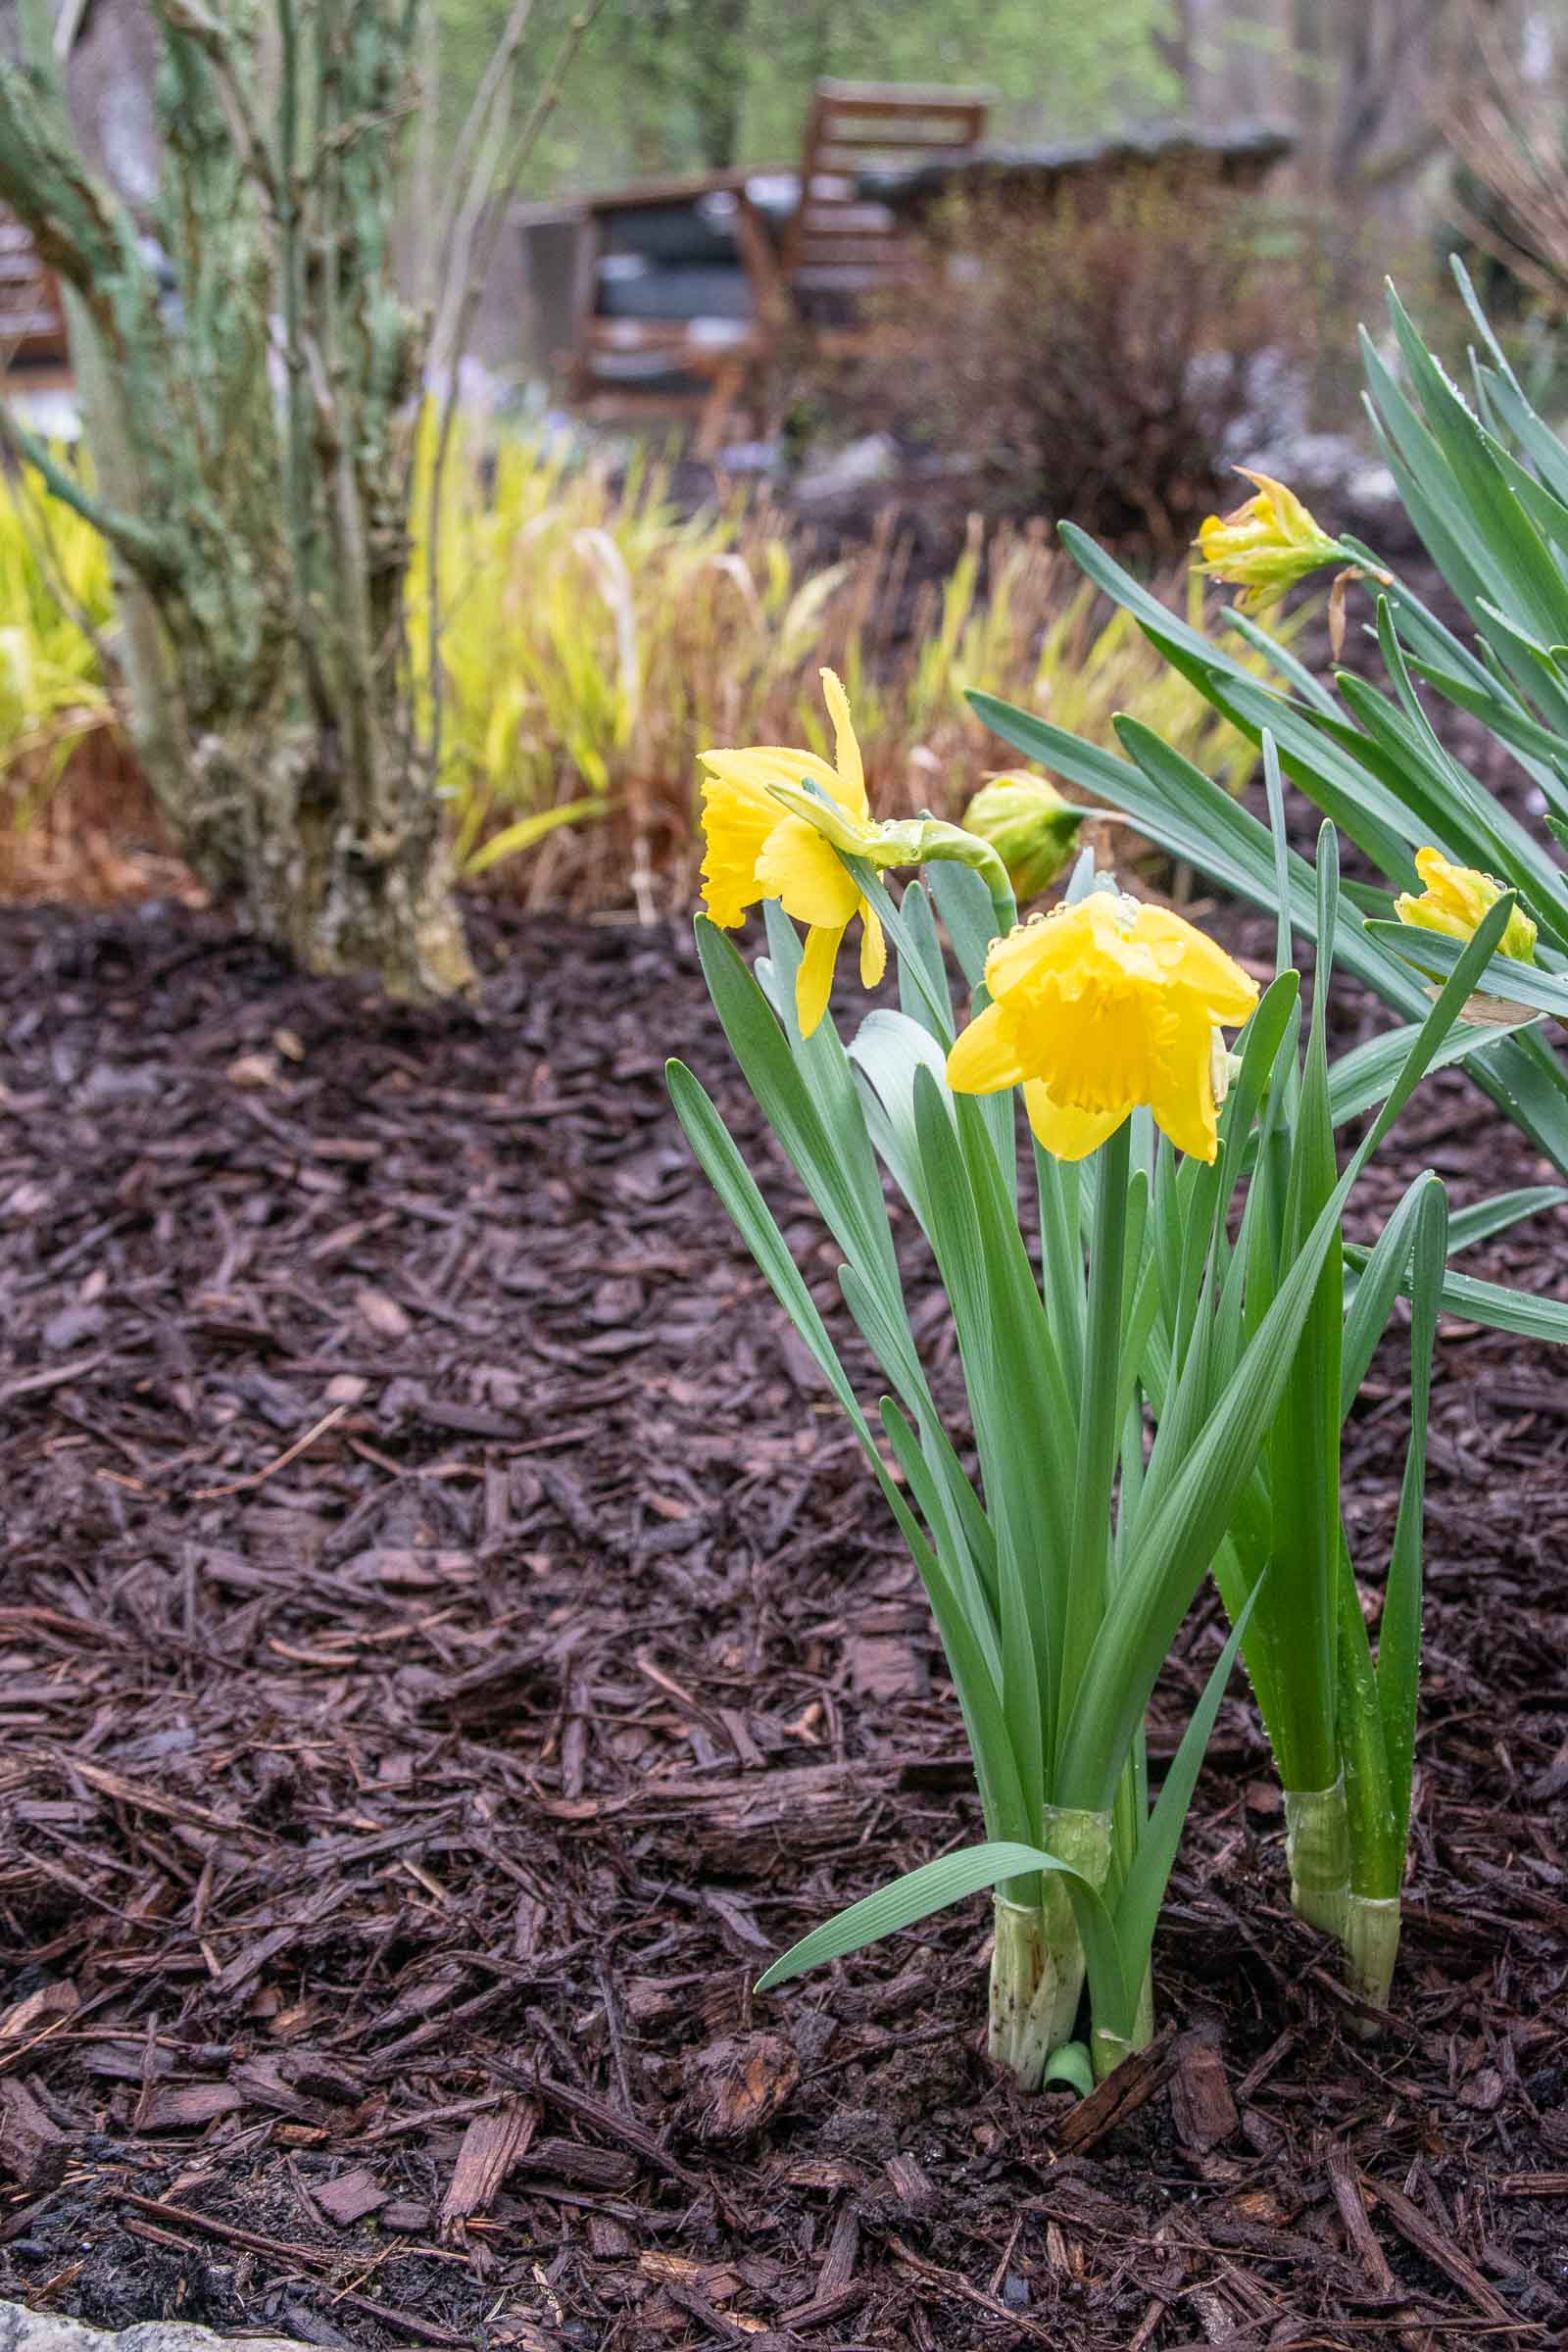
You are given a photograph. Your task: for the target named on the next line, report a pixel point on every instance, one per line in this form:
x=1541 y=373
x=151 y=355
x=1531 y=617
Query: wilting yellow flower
x=1456 y=899
x=1266 y=544
x=1097 y=1008
x=1029 y=825
x=757 y=849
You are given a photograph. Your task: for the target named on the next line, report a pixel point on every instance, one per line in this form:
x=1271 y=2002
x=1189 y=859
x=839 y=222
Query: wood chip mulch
x=448 y=1641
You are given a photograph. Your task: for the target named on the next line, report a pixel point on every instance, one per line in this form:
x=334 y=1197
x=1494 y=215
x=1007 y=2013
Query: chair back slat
x=844 y=243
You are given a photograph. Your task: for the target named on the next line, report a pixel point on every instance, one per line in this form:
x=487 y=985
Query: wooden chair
x=687 y=289
x=844 y=244
x=32 y=317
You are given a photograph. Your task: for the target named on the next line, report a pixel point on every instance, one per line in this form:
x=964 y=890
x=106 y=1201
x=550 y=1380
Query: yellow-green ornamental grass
x=1177 y=1361
x=595 y=637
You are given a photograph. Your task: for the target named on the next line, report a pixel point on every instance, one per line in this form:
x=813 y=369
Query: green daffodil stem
x=1317 y=1847
x=1371 y=1947
x=931 y=840
x=1109 y=2048
x=1037 y=1961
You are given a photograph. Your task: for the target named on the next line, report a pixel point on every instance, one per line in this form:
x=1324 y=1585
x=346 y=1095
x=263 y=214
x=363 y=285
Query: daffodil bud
x=1456 y=899
x=1030 y=826
x=1453 y=902
x=1266 y=544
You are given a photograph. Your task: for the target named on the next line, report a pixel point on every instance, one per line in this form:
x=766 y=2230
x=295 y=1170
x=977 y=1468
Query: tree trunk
x=255 y=486
x=258 y=807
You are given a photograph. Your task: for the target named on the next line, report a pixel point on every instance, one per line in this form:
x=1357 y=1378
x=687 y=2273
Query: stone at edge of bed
x=22 y=2330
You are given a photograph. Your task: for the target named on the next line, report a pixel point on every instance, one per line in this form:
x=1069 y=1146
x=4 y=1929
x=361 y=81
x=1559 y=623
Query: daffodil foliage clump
x=1158 y=1396
x=1484 y=480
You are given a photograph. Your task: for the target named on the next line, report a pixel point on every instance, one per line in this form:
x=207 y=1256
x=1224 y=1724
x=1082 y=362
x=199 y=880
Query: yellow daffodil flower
x=1266 y=544
x=1097 y=1008
x=1456 y=899
x=758 y=850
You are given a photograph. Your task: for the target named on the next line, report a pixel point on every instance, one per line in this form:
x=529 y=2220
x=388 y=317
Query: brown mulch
x=448 y=1640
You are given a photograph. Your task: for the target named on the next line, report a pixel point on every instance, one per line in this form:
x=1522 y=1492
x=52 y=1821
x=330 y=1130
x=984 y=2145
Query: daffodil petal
x=757 y=771
x=1186 y=955
x=846 y=749
x=814 y=982
x=1428 y=913
x=735 y=825
x=1282 y=508
x=1456 y=899
x=873 y=948
x=1033 y=949
x=802 y=870
x=1066 y=1134
x=984 y=1059
x=1181 y=1095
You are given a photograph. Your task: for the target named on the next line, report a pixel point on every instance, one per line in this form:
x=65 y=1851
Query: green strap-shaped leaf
x=964 y=905
x=1400 y=1632
x=1494 y=516
x=1362 y=1077
x=737 y=1190
x=1178 y=1536
x=1505 y=978
x=1483 y=1219
x=1495 y=1305
x=822 y=1153
x=1137 y=1908
x=909 y=1899
x=1384 y=1276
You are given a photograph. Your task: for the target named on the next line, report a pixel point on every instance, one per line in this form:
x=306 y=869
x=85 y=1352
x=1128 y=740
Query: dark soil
x=448 y=1640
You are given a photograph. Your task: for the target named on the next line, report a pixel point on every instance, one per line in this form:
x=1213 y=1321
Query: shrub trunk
x=252 y=430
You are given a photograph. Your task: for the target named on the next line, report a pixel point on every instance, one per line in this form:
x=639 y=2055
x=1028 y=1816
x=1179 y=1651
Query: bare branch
x=140 y=545
x=455 y=250
x=471 y=166
x=474 y=266
x=1509 y=136
x=67 y=28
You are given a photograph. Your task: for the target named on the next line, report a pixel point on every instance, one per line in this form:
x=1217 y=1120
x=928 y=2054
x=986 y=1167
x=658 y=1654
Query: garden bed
x=448 y=1640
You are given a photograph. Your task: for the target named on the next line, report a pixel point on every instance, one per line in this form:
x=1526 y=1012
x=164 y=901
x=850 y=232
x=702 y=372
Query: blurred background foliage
x=666 y=86
x=610 y=612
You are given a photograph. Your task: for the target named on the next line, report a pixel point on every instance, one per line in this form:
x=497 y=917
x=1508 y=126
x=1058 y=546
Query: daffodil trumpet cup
x=1126 y=1390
